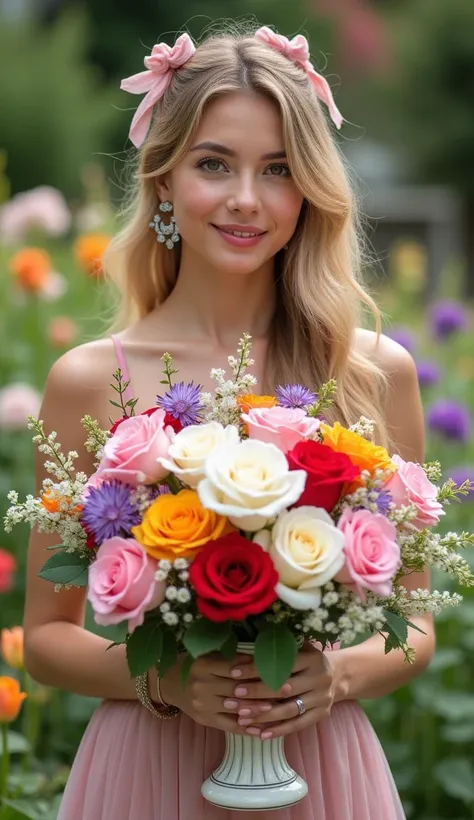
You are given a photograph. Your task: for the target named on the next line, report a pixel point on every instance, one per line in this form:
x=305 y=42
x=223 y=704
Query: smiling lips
x=240 y=235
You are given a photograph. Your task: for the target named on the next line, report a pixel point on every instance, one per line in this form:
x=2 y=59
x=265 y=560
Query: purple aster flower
x=449 y=418
x=428 y=373
x=295 y=395
x=447 y=317
x=461 y=474
x=384 y=499
x=404 y=336
x=183 y=401
x=108 y=510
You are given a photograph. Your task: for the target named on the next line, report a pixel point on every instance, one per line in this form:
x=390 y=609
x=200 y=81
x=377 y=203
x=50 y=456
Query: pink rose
x=281 y=426
x=132 y=452
x=409 y=485
x=371 y=552
x=121 y=582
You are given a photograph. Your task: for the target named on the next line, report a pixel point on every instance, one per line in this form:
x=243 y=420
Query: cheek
x=197 y=201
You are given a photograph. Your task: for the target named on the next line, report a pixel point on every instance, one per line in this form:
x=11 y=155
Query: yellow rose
x=361 y=452
x=176 y=526
x=249 y=401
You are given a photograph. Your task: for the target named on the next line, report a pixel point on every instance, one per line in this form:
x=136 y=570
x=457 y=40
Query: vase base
x=254 y=798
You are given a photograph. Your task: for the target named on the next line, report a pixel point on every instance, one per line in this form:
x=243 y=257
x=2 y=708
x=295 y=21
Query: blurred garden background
x=403 y=76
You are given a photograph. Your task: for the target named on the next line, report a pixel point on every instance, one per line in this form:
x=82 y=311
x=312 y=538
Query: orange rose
x=89 y=250
x=250 y=401
x=11 y=646
x=176 y=526
x=32 y=268
x=361 y=452
x=11 y=698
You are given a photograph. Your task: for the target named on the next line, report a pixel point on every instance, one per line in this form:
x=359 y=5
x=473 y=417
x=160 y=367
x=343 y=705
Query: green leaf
x=415 y=626
x=11 y=810
x=205 y=636
x=229 y=648
x=17 y=743
x=169 y=653
x=396 y=626
x=275 y=655
x=66 y=568
x=456 y=776
x=144 y=646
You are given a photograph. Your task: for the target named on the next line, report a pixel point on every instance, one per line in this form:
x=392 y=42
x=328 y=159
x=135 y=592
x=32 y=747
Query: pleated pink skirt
x=131 y=766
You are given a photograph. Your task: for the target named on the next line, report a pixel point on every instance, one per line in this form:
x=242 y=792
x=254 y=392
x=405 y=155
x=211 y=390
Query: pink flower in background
x=132 y=452
x=18 y=401
x=121 y=582
x=371 y=552
x=43 y=208
x=62 y=331
x=54 y=288
x=409 y=485
x=281 y=426
x=7 y=568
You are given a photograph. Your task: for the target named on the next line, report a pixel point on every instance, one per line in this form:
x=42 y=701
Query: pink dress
x=132 y=766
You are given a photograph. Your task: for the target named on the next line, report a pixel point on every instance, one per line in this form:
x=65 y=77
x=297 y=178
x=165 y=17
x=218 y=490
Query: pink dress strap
x=122 y=363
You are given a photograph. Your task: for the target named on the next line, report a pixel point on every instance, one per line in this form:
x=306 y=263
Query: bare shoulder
x=403 y=407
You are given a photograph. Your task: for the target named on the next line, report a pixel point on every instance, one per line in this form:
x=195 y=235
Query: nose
x=244 y=195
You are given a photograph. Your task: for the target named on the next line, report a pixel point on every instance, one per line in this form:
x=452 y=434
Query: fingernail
x=240 y=692
x=265 y=735
x=287 y=689
x=244 y=721
x=236 y=673
x=231 y=704
x=253 y=730
x=245 y=712
x=266 y=707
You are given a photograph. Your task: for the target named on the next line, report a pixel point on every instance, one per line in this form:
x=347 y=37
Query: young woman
x=265 y=240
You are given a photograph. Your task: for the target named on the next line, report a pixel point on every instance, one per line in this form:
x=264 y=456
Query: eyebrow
x=222 y=149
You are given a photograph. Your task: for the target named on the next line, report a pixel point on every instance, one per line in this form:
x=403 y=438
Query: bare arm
x=364 y=671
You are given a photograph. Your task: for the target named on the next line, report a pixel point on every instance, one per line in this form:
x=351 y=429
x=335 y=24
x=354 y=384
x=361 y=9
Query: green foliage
x=275 y=654
x=66 y=568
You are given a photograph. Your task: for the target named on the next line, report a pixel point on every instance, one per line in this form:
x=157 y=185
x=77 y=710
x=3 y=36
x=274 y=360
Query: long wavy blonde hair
x=320 y=297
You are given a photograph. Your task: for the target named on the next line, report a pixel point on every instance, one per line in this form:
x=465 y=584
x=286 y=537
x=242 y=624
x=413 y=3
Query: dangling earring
x=167 y=234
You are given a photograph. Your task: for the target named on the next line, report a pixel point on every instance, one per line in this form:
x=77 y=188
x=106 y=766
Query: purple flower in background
x=449 y=418
x=404 y=336
x=447 y=317
x=108 y=510
x=428 y=373
x=461 y=474
x=294 y=396
x=182 y=401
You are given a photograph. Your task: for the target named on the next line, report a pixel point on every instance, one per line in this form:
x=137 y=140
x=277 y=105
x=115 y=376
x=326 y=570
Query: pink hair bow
x=297 y=50
x=161 y=63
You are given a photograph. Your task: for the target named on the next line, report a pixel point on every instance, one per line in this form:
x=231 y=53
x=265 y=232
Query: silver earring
x=167 y=234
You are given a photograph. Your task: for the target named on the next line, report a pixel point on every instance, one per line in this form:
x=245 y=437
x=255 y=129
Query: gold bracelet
x=141 y=687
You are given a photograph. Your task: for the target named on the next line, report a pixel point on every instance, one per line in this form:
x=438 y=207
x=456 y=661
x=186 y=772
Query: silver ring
x=300 y=706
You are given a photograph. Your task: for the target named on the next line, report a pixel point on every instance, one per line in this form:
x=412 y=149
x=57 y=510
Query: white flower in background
x=43 y=208
x=18 y=401
x=54 y=288
x=187 y=454
x=250 y=483
x=307 y=551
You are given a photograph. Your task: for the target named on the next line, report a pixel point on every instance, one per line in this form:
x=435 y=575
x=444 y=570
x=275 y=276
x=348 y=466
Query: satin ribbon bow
x=161 y=64
x=297 y=50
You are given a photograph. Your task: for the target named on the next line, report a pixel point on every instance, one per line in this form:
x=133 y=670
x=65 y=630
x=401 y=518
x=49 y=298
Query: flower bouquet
x=236 y=522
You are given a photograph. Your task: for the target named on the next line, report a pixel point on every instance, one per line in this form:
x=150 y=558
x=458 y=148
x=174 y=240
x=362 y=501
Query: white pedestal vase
x=254 y=774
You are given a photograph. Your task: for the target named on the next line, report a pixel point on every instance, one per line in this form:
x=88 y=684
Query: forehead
x=243 y=121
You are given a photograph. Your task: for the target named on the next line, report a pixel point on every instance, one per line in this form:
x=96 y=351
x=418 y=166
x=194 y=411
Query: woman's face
x=235 y=180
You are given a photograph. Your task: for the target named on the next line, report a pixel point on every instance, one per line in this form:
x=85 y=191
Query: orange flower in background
x=11 y=698
x=176 y=526
x=89 y=249
x=32 y=268
x=62 y=331
x=11 y=646
x=361 y=452
x=251 y=401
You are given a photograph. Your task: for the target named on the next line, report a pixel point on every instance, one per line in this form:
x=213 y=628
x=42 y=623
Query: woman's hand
x=209 y=695
x=312 y=681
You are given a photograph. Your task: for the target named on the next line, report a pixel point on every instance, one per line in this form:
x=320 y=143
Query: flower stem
x=4 y=763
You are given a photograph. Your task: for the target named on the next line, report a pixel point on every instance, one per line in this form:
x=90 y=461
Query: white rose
x=250 y=483
x=307 y=550
x=192 y=445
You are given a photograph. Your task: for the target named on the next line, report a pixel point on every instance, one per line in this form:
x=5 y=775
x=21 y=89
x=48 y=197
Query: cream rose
x=250 y=483
x=191 y=447
x=307 y=551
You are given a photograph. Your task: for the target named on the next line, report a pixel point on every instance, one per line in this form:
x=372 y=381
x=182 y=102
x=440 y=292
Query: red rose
x=172 y=422
x=7 y=568
x=328 y=473
x=233 y=578
x=169 y=420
